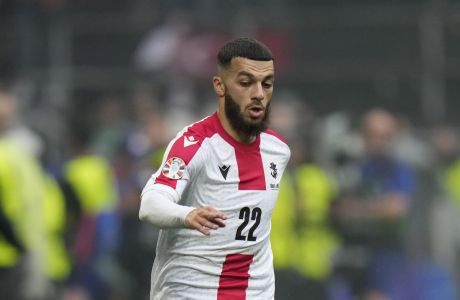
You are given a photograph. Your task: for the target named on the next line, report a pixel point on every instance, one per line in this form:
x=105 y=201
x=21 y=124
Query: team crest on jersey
x=174 y=168
x=273 y=170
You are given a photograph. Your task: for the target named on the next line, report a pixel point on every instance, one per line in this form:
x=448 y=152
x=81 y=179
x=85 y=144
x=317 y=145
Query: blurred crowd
x=368 y=208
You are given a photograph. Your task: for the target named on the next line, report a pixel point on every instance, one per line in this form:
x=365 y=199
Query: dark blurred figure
x=371 y=215
x=137 y=239
x=136 y=157
x=92 y=179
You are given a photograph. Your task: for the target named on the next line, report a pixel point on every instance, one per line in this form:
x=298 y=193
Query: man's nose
x=258 y=92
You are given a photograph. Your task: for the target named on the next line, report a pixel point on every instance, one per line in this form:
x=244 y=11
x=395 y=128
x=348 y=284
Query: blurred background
x=366 y=95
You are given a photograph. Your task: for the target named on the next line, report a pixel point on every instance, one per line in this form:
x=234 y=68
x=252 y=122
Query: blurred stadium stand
x=343 y=55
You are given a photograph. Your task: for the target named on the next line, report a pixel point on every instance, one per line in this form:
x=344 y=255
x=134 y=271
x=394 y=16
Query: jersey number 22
x=246 y=215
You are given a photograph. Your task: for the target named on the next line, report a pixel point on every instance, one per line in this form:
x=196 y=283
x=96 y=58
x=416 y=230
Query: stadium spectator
x=303 y=241
x=96 y=240
x=371 y=215
x=22 y=230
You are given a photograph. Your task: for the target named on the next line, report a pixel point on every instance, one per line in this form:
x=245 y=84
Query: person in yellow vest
x=303 y=241
x=22 y=234
x=92 y=179
x=57 y=265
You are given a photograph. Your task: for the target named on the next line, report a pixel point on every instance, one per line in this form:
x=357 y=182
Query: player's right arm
x=160 y=208
x=160 y=197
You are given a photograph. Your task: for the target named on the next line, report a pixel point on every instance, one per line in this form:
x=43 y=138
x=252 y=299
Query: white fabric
x=159 y=207
x=188 y=264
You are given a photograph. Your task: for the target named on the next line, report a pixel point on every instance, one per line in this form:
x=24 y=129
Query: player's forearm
x=158 y=208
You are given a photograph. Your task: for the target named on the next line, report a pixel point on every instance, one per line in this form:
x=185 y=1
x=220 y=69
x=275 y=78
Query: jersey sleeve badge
x=174 y=168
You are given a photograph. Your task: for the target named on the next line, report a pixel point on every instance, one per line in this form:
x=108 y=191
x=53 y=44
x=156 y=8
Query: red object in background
x=280 y=44
x=51 y=5
x=198 y=54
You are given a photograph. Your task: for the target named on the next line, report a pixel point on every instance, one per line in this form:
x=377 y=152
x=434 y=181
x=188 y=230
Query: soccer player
x=214 y=194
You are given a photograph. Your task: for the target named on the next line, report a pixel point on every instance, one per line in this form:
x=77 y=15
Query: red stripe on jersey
x=234 y=278
x=250 y=168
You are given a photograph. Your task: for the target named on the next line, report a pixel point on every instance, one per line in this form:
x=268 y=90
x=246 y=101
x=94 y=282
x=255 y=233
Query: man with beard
x=215 y=192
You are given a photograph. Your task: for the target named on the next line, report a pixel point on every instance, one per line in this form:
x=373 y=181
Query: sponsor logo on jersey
x=224 y=170
x=274 y=186
x=174 y=168
x=189 y=141
x=273 y=170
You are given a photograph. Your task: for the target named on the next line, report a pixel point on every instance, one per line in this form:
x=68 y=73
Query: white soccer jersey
x=205 y=166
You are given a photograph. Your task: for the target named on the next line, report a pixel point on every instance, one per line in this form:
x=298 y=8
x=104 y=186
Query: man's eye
x=267 y=85
x=245 y=83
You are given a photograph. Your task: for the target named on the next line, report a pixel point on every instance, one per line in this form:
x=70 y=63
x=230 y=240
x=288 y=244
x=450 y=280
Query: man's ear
x=219 y=86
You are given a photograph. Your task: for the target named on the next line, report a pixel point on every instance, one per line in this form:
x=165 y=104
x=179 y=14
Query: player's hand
x=205 y=218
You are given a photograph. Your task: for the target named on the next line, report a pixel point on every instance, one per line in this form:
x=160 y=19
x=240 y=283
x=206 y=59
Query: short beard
x=239 y=123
